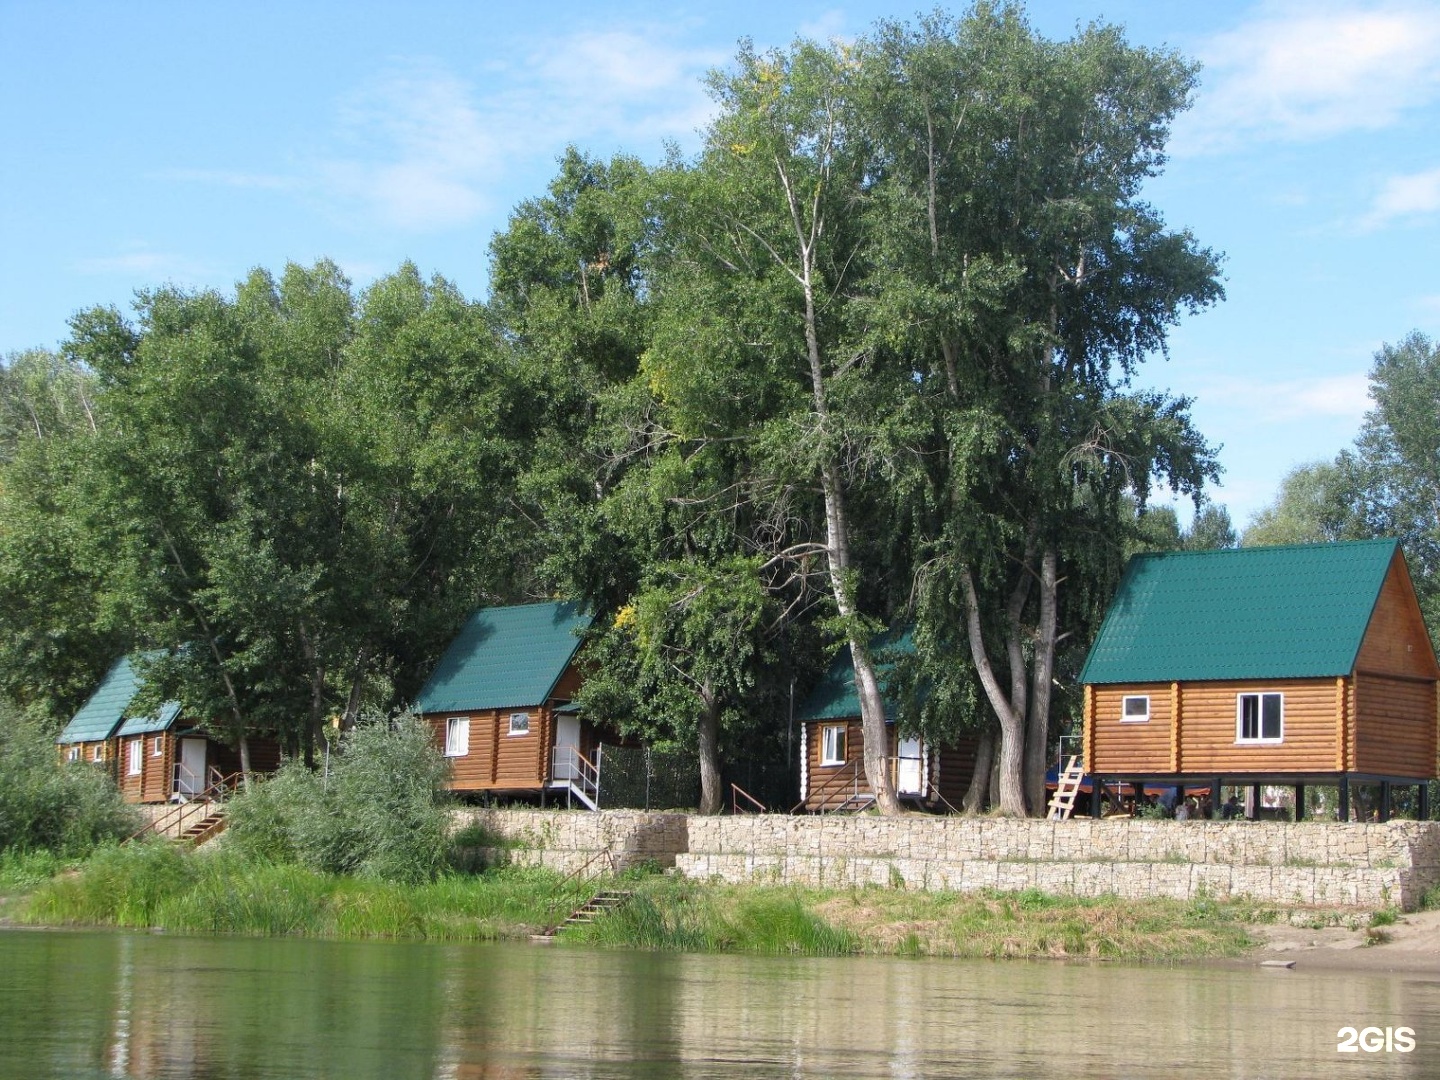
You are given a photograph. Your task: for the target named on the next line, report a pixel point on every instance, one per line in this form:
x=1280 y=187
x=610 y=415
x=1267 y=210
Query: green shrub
x=381 y=812
x=47 y=804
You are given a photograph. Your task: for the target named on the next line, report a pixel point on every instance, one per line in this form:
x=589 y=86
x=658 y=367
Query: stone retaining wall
x=1304 y=863
x=1278 y=862
x=565 y=840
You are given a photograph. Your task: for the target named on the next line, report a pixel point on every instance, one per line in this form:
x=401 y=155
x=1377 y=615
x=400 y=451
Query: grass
x=676 y=914
x=158 y=885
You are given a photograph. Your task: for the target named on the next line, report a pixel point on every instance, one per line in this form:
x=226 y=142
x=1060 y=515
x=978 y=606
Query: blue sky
x=158 y=141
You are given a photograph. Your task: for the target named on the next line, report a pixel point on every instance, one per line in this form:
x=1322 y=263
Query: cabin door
x=190 y=769
x=567 y=745
x=909 y=776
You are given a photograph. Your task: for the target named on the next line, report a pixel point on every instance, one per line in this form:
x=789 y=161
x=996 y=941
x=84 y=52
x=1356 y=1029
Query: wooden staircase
x=1067 y=789
x=195 y=819
x=206 y=828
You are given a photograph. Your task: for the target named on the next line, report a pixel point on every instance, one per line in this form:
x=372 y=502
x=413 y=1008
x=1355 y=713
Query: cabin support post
x=1215 y=810
x=1422 y=800
x=1385 y=800
x=1299 y=802
x=1344 y=796
x=1095 y=791
x=1137 y=795
x=1254 y=802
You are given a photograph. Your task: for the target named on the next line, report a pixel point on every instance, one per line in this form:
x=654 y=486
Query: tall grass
x=687 y=916
x=159 y=885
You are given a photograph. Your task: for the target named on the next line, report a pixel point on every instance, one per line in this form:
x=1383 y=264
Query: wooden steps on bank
x=1062 y=803
x=602 y=903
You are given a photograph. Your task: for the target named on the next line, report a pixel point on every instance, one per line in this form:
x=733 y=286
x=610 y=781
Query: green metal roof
x=834 y=697
x=107 y=711
x=505 y=656
x=1297 y=611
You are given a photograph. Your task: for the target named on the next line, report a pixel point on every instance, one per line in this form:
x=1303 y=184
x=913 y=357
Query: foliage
x=295 y=491
x=379 y=811
x=1317 y=504
x=50 y=805
x=158 y=884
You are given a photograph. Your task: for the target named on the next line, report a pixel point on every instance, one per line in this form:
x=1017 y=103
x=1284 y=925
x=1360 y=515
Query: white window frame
x=1259 y=738
x=833 y=744
x=519 y=724
x=457 y=736
x=97 y=753
x=157 y=746
x=134 y=756
x=1127 y=717
x=72 y=754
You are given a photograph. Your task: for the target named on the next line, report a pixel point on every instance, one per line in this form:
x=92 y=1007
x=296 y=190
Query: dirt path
x=1412 y=944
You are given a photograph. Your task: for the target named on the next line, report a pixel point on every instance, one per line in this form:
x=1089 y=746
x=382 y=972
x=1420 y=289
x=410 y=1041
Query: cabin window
x=1259 y=718
x=832 y=745
x=1135 y=709
x=136 y=749
x=457 y=736
x=97 y=753
x=73 y=754
x=520 y=723
x=157 y=746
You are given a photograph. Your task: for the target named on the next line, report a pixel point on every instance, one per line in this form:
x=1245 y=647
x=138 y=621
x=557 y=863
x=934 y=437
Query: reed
x=159 y=885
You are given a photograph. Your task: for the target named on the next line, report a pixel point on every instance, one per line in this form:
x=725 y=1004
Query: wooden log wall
x=1192 y=729
x=499 y=761
x=1396 y=735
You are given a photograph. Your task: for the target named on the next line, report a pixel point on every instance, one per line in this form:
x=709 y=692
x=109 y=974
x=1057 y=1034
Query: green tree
x=1318 y=503
x=1011 y=204
x=300 y=493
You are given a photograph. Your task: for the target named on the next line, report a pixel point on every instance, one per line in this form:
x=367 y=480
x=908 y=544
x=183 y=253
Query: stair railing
x=583 y=775
x=220 y=785
x=832 y=785
x=736 y=794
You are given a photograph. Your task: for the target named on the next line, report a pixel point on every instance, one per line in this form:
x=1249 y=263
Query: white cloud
x=150 y=264
x=1305 y=71
x=422 y=147
x=1407 y=196
x=1326 y=397
x=422 y=151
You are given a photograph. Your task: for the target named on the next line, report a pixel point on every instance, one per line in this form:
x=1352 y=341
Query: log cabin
x=499 y=703
x=832 y=743
x=1292 y=665
x=155 y=758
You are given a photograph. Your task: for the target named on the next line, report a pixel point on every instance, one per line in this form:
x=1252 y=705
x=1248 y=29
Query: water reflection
x=117 y=1005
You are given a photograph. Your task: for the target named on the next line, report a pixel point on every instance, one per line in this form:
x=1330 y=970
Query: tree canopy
x=864 y=361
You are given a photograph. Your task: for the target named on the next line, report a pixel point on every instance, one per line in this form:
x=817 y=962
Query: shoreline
x=160 y=888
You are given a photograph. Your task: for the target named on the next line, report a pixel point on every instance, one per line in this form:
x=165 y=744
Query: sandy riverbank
x=1410 y=944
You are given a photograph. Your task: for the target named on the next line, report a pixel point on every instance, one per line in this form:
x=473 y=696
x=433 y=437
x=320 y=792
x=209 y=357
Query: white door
x=190 y=772
x=909 y=778
x=567 y=735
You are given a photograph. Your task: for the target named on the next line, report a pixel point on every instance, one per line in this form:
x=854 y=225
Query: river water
x=82 y=1004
